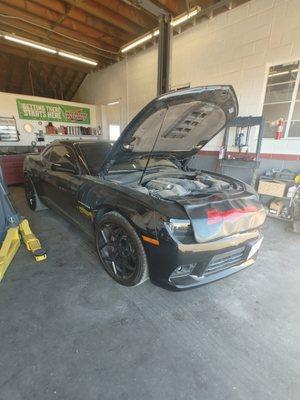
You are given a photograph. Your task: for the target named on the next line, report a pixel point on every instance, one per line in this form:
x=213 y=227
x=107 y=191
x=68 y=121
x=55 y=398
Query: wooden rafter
x=174 y=7
x=42 y=23
x=61 y=22
x=104 y=13
x=77 y=85
x=138 y=16
x=9 y=73
x=79 y=15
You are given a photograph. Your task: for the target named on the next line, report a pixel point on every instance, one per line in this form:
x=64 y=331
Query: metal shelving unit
x=8 y=130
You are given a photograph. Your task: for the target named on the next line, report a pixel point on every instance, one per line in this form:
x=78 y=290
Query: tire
x=120 y=250
x=32 y=198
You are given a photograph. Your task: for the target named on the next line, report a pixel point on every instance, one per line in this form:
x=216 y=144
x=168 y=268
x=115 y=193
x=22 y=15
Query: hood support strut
x=153 y=147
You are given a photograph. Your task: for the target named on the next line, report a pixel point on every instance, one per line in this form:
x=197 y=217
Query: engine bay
x=168 y=187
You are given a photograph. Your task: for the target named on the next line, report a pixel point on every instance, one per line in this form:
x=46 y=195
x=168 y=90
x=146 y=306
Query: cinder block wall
x=236 y=47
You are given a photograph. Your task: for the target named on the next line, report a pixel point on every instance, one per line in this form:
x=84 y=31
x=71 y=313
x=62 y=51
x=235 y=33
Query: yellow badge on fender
x=85 y=212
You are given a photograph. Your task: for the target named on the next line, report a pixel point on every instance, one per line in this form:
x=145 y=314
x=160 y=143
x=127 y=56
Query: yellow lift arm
x=13 y=229
x=12 y=243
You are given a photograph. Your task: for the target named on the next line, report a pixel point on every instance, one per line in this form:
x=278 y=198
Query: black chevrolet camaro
x=152 y=215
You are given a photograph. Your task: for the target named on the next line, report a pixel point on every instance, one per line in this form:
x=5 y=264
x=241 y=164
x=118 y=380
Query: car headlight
x=181 y=230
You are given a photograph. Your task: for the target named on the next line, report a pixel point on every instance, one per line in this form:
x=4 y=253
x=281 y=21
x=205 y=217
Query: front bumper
x=208 y=261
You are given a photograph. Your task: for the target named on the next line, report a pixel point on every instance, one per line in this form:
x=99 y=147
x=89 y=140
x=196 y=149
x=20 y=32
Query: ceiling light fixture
x=77 y=58
x=175 y=22
x=113 y=103
x=137 y=43
x=30 y=44
x=181 y=20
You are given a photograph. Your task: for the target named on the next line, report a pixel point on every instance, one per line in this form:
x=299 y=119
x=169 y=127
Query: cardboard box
x=272 y=188
x=276 y=207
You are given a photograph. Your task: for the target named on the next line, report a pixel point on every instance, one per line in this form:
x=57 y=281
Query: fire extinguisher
x=279 y=130
x=222 y=152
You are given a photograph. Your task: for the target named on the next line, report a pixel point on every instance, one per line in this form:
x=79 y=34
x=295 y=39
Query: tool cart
x=280 y=192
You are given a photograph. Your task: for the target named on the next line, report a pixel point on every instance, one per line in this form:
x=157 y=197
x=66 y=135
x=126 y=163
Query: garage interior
x=69 y=331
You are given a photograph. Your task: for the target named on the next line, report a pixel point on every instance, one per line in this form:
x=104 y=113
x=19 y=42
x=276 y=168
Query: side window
x=63 y=155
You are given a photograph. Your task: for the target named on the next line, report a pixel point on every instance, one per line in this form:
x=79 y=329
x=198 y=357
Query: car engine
x=165 y=187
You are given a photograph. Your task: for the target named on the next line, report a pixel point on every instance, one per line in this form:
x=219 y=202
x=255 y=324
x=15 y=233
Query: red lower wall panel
x=12 y=168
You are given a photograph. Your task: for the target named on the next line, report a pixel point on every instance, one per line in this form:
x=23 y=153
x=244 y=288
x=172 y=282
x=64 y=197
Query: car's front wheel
x=32 y=198
x=120 y=250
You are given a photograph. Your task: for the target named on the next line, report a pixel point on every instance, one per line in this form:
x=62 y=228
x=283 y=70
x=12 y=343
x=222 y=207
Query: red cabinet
x=12 y=168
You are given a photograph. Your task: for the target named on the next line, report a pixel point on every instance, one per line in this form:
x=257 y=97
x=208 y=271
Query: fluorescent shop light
x=137 y=43
x=29 y=44
x=185 y=17
x=77 y=58
x=113 y=103
x=175 y=22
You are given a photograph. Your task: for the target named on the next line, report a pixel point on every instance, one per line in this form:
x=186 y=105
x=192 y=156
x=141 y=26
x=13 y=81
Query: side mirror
x=61 y=168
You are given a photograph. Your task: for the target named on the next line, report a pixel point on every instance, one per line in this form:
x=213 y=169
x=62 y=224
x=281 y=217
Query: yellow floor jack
x=13 y=230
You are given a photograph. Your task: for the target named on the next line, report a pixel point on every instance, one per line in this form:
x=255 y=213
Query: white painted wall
x=236 y=47
x=8 y=108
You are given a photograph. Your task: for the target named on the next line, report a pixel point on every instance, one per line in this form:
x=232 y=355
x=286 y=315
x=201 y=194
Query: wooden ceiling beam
x=18 y=80
x=24 y=76
x=55 y=21
x=77 y=86
x=46 y=85
x=79 y=15
x=106 y=15
x=139 y=17
x=9 y=73
x=173 y=7
x=68 y=92
x=8 y=10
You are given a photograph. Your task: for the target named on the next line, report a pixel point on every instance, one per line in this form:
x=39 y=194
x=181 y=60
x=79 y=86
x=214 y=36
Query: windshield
x=139 y=164
x=94 y=154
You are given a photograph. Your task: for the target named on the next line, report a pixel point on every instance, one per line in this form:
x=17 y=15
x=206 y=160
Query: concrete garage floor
x=68 y=331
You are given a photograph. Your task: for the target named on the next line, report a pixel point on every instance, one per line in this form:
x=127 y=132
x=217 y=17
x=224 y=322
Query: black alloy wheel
x=120 y=250
x=32 y=198
x=30 y=193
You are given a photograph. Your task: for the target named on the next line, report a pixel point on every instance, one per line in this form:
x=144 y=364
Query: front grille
x=225 y=260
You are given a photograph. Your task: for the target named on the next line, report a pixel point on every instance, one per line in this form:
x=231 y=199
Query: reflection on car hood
x=177 y=123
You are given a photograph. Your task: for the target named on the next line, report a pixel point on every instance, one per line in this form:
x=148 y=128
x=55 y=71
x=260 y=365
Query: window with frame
x=282 y=100
x=114 y=132
x=63 y=155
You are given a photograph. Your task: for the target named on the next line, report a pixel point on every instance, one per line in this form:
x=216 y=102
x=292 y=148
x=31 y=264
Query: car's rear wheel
x=32 y=198
x=120 y=250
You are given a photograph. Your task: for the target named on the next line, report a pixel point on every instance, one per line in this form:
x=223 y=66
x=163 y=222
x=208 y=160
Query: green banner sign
x=37 y=110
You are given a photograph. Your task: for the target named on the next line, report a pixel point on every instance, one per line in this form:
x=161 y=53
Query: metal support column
x=164 y=54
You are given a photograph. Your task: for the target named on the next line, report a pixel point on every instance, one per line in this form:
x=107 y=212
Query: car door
x=63 y=180
x=42 y=181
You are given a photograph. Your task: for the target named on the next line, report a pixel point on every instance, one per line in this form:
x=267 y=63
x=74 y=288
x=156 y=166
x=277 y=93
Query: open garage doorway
x=111 y=120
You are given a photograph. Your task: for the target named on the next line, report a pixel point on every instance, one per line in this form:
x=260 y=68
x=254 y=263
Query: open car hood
x=176 y=124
